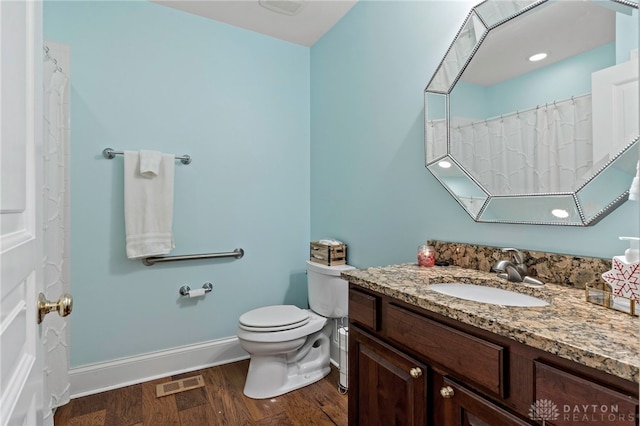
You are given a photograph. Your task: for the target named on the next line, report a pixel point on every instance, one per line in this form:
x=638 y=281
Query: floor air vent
x=181 y=385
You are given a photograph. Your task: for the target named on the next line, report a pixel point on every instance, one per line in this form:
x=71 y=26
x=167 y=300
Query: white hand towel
x=148 y=207
x=150 y=163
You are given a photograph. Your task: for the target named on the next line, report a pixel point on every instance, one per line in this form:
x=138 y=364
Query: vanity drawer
x=363 y=309
x=579 y=400
x=476 y=360
x=463 y=406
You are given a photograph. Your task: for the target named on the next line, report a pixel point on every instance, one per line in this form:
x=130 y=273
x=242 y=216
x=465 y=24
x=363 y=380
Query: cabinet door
x=463 y=407
x=565 y=399
x=386 y=387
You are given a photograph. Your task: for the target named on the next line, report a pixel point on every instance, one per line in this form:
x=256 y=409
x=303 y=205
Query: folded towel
x=148 y=207
x=150 y=163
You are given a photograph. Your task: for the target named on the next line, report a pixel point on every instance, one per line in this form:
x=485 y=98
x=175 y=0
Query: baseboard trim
x=100 y=377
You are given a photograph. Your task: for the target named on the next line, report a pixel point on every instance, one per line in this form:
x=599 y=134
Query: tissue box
x=330 y=255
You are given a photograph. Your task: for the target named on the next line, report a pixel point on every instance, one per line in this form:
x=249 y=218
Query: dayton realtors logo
x=544 y=410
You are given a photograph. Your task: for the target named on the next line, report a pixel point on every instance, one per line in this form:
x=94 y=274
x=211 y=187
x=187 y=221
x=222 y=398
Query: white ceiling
x=561 y=29
x=314 y=19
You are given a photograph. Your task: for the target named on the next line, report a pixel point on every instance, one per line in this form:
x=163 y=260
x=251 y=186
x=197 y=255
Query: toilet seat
x=274 y=318
x=314 y=324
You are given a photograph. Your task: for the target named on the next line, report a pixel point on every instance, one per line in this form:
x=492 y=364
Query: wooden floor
x=220 y=402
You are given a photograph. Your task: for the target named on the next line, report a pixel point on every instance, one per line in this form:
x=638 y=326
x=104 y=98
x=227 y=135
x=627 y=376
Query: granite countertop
x=569 y=327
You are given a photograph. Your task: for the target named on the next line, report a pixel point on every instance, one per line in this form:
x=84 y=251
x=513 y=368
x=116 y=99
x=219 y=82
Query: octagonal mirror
x=532 y=115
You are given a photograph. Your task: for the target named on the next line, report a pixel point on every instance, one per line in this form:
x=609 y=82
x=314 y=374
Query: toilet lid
x=274 y=318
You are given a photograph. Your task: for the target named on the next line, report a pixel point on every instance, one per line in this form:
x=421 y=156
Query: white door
x=54 y=330
x=615 y=107
x=22 y=399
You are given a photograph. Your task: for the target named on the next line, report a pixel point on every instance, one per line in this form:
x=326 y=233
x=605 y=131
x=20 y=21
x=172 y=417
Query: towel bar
x=149 y=261
x=110 y=154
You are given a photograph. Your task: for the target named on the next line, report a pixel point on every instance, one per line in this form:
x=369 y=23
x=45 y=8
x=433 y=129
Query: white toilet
x=289 y=346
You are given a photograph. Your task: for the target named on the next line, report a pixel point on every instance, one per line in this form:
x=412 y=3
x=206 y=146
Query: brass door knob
x=64 y=305
x=446 y=392
x=415 y=372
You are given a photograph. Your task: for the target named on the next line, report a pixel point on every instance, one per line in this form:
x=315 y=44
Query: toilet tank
x=328 y=293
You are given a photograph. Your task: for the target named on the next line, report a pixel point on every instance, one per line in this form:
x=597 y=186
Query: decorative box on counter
x=622 y=289
x=604 y=297
x=328 y=254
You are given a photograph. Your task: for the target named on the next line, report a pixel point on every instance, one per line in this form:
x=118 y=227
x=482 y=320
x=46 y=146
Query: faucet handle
x=517 y=255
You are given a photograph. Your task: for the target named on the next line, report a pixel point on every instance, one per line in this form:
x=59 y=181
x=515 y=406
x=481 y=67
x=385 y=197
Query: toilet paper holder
x=185 y=289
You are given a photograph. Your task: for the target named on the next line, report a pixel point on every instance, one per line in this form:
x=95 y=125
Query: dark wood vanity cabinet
x=464 y=407
x=410 y=366
x=391 y=386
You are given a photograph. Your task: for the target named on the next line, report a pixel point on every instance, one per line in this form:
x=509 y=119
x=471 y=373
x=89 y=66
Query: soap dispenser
x=632 y=254
x=624 y=276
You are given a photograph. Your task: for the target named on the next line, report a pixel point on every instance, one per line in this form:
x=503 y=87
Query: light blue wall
x=470 y=101
x=149 y=77
x=252 y=111
x=369 y=186
x=555 y=82
x=627 y=30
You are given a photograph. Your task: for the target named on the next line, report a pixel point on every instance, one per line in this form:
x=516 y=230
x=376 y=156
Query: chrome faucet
x=509 y=270
x=515 y=269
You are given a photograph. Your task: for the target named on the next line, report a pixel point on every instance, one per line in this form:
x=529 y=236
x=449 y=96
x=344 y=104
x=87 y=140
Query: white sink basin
x=480 y=293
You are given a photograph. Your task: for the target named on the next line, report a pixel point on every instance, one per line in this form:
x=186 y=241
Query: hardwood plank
x=280 y=419
x=325 y=395
x=236 y=373
x=336 y=413
x=303 y=411
x=191 y=398
x=125 y=406
x=90 y=404
x=199 y=415
x=225 y=396
x=62 y=414
x=260 y=409
x=96 y=418
x=156 y=411
x=257 y=409
x=222 y=403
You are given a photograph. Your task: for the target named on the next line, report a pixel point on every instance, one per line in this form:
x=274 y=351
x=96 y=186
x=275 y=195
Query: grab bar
x=110 y=154
x=149 y=261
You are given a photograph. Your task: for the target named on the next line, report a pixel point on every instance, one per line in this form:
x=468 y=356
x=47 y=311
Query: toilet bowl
x=289 y=347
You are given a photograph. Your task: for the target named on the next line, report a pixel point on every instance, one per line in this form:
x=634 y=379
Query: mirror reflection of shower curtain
x=542 y=150
x=436 y=134
x=56 y=219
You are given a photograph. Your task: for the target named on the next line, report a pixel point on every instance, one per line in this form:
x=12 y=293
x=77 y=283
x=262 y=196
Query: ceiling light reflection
x=537 y=57
x=560 y=213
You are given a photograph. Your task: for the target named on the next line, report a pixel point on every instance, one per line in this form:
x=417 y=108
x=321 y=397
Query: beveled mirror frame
x=593 y=197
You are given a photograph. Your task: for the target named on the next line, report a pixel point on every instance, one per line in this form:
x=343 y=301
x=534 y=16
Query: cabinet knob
x=415 y=372
x=446 y=392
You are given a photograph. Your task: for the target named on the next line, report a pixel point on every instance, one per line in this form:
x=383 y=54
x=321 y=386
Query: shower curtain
x=542 y=150
x=56 y=219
